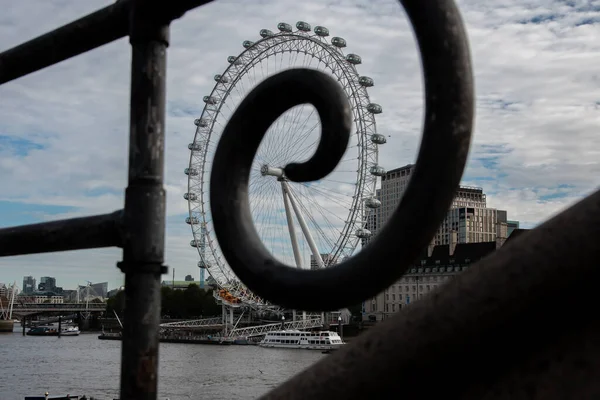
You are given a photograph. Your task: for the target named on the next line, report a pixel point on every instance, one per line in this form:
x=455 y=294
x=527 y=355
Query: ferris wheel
x=308 y=225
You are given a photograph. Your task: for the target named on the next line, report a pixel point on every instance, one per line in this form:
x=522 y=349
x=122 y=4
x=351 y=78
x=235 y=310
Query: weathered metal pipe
x=94 y=30
x=145 y=204
x=69 y=234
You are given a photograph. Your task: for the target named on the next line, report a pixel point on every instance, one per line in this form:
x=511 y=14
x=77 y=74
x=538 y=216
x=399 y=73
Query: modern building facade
x=47 y=284
x=29 y=284
x=511 y=226
x=469 y=220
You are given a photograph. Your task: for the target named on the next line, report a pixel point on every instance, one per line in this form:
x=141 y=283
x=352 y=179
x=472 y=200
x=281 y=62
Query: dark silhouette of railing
x=518 y=324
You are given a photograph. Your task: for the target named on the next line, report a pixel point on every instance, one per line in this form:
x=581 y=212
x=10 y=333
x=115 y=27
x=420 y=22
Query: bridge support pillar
x=23 y=323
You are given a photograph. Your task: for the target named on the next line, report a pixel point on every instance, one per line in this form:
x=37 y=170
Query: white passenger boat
x=295 y=339
x=69 y=331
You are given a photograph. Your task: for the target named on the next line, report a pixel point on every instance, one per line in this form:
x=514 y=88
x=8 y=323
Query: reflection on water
x=86 y=365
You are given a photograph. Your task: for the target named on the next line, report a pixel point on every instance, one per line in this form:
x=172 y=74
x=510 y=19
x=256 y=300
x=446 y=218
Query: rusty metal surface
x=94 y=30
x=449 y=104
x=145 y=204
x=517 y=325
x=69 y=234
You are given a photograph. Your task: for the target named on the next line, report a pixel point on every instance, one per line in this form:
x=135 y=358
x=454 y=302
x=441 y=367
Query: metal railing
x=140 y=227
x=519 y=323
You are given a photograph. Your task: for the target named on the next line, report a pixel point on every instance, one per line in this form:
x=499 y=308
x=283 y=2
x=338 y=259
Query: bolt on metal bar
x=145 y=204
x=64 y=235
x=94 y=30
x=511 y=314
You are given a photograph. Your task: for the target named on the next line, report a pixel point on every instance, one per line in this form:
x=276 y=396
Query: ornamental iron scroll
x=449 y=112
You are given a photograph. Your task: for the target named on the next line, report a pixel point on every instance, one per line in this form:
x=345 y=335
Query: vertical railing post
x=143 y=251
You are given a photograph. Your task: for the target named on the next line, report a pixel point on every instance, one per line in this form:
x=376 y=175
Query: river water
x=85 y=365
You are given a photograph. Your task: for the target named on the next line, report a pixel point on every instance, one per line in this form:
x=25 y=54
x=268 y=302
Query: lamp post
x=283 y=322
x=341 y=327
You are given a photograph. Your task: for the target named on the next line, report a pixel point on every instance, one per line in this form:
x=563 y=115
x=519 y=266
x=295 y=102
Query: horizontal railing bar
x=63 y=235
x=94 y=30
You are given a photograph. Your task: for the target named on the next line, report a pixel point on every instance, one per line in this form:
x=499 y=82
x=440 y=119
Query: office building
x=29 y=284
x=47 y=284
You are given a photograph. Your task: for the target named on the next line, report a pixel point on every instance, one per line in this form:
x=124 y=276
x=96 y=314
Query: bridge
x=38 y=308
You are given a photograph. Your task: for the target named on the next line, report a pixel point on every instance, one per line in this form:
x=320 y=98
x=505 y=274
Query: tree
x=116 y=303
x=192 y=302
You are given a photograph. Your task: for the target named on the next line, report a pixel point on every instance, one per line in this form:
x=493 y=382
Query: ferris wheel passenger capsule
x=221 y=79
x=353 y=59
x=193 y=243
x=338 y=42
x=191 y=171
x=303 y=26
x=374 y=108
x=372 y=202
x=192 y=220
x=363 y=233
x=210 y=100
x=202 y=265
x=201 y=122
x=378 y=138
x=377 y=170
x=190 y=196
x=283 y=27
x=247 y=43
x=321 y=31
x=234 y=60
x=265 y=33
x=366 y=81
x=195 y=146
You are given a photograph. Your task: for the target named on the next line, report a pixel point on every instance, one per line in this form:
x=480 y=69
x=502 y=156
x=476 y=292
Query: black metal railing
x=140 y=227
x=519 y=324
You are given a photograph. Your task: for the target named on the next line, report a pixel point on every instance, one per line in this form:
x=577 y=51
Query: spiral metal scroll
x=449 y=112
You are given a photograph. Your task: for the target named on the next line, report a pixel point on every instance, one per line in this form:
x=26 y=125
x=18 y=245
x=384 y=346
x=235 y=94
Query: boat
x=52 y=330
x=42 y=331
x=296 y=339
x=70 y=331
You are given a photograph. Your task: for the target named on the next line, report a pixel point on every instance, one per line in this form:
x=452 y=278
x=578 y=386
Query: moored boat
x=296 y=339
x=70 y=331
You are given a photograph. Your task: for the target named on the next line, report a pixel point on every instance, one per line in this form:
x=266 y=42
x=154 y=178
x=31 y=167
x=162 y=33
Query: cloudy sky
x=63 y=130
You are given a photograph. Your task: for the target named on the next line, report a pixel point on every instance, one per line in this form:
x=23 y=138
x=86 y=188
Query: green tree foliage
x=192 y=302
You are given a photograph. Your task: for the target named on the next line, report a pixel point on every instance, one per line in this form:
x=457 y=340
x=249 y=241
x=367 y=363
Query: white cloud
x=537 y=119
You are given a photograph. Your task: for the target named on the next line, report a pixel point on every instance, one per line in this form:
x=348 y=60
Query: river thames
x=85 y=365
